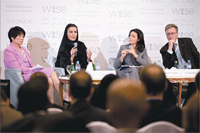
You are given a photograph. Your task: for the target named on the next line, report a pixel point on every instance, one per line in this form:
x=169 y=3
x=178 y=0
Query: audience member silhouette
x=191 y=110
x=37 y=76
x=197 y=82
x=155 y=82
x=127 y=105
x=60 y=122
x=8 y=115
x=32 y=95
x=99 y=98
x=192 y=114
x=81 y=90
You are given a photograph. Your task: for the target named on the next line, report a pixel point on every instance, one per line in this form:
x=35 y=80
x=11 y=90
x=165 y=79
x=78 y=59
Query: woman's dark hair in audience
x=99 y=97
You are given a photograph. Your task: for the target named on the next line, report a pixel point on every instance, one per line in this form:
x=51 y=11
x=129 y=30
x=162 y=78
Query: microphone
x=76 y=45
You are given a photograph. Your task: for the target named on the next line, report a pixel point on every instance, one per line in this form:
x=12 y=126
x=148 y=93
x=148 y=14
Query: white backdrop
x=103 y=24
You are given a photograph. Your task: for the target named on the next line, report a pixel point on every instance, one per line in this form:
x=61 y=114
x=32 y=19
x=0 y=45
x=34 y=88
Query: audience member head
x=40 y=76
x=80 y=85
x=100 y=98
x=126 y=102
x=197 y=78
x=14 y=32
x=32 y=95
x=154 y=79
x=140 y=44
x=192 y=114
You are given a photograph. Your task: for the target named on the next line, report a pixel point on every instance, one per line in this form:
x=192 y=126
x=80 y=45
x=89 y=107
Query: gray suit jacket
x=129 y=59
x=142 y=60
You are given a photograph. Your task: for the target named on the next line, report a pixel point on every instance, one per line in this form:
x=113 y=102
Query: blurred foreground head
x=154 y=79
x=126 y=101
x=80 y=84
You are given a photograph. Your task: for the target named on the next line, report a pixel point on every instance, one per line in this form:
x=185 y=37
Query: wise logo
x=121 y=14
x=54 y=9
x=119 y=38
x=91 y=2
x=186 y=34
x=94 y=50
x=183 y=11
x=152 y=0
x=52 y=34
x=154 y=46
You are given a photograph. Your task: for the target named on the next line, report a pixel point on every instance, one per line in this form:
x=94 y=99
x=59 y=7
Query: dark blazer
x=160 y=111
x=86 y=113
x=188 y=52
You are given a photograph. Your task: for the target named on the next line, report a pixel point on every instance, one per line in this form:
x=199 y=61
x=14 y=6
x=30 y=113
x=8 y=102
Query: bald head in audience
x=154 y=79
x=126 y=101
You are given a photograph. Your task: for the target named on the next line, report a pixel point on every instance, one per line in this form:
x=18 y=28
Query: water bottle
x=78 y=66
x=72 y=67
x=188 y=64
x=159 y=63
x=98 y=66
x=93 y=65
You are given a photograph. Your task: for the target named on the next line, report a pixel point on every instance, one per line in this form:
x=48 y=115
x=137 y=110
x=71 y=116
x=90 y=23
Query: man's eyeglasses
x=168 y=34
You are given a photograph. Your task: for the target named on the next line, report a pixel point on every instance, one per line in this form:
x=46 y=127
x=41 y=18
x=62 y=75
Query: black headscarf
x=63 y=57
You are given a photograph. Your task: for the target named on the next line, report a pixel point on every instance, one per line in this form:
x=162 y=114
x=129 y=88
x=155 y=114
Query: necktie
x=181 y=62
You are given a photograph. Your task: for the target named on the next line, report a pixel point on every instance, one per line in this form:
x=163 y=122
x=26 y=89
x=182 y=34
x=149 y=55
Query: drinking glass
x=68 y=69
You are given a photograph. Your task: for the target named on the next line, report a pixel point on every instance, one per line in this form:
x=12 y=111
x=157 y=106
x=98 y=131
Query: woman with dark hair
x=132 y=55
x=72 y=50
x=99 y=98
x=17 y=57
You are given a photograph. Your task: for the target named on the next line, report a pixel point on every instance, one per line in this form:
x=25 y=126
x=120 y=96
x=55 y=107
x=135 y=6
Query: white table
x=96 y=76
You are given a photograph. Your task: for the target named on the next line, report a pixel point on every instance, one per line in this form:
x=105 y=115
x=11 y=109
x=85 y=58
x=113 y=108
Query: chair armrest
x=14 y=75
x=16 y=80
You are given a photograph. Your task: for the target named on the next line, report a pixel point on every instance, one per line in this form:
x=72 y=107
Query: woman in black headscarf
x=70 y=53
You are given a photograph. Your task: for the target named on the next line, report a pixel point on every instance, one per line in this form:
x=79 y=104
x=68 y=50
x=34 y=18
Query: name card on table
x=95 y=75
x=180 y=73
x=100 y=74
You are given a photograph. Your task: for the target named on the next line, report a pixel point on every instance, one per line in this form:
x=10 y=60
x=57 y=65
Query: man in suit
x=180 y=50
x=184 y=45
x=81 y=90
x=155 y=83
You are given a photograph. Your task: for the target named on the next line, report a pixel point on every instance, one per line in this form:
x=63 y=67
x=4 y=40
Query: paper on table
x=127 y=66
x=37 y=67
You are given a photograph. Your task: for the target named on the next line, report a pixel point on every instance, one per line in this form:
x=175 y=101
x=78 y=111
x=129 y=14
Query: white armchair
x=16 y=80
x=59 y=70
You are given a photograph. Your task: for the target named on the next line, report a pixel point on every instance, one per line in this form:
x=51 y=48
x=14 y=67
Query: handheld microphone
x=76 y=45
